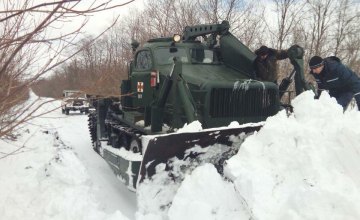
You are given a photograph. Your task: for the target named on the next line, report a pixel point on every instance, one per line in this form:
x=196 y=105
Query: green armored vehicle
x=177 y=80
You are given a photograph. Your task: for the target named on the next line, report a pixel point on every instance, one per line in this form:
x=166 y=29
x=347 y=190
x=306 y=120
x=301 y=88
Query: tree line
x=321 y=27
x=31 y=57
x=32 y=44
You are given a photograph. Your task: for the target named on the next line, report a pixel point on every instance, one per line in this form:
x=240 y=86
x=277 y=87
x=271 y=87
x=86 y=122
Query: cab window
x=164 y=56
x=143 y=60
x=199 y=55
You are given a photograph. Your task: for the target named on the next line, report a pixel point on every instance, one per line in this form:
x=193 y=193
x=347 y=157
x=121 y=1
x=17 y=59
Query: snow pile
x=41 y=176
x=305 y=166
x=192 y=127
x=302 y=166
x=154 y=196
x=197 y=199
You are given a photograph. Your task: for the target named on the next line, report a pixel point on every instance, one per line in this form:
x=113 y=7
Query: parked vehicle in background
x=74 y=101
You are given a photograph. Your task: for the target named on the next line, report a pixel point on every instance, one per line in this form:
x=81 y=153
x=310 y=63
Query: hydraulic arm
x=174 y=80
x=191 y=32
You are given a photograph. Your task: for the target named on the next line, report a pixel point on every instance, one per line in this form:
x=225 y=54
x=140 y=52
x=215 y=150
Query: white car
x=73 y=101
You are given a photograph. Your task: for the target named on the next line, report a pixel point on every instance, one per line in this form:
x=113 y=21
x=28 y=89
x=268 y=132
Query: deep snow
x=302 y=166
x=57 y=175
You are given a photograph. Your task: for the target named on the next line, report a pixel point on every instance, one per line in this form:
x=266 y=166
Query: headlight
x=176 y=37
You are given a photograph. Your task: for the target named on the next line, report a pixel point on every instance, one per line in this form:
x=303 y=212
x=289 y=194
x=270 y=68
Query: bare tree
x=322 y=27
x=320 y=23
x=215 y=11
x=247 y=23
x=159 y=14
x=346 y=24
x=288 y=14
x=186 y=14
x=352 y=57
x=31 y=45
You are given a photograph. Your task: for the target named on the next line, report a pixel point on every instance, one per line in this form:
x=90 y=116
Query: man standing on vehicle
x=265 y=63
x=342 y=83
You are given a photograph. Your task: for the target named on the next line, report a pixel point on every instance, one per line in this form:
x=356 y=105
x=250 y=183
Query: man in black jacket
x=341 y=82
x=265 y=63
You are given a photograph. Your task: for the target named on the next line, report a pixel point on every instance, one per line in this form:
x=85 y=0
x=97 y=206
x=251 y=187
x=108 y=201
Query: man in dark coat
x=265 y=63
x=342 y=83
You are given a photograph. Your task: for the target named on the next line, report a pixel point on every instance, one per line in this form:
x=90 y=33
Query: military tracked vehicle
x=202 y=75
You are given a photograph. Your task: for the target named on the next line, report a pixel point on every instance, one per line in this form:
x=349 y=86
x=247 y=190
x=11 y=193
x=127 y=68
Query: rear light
x=154 y=78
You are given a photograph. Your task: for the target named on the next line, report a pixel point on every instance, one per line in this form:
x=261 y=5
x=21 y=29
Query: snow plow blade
x=166 y=148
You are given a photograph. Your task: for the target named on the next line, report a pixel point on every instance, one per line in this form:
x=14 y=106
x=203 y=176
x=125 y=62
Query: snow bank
x=305 y=166
x=197 y=199
x=45 y=181
x=302 y=166
x=41 y=176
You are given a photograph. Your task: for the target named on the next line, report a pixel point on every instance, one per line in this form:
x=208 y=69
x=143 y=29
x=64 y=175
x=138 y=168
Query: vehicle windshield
x=75 y=94
x=163 y=55
x=69 y=94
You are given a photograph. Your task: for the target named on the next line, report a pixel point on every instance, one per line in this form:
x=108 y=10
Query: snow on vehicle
x=74 y=101
x=178 y=80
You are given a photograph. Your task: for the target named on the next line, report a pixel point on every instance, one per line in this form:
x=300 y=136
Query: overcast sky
x=98 y=22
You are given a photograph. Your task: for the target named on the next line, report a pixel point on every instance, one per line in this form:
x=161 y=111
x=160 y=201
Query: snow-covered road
x=55 y=173
x=110 y=192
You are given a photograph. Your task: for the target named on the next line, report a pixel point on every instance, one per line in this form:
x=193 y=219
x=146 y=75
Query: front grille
x=78 y=103
x=251 y=102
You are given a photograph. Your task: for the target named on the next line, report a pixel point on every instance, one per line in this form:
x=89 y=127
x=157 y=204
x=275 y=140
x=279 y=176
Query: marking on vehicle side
x=140 y=86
